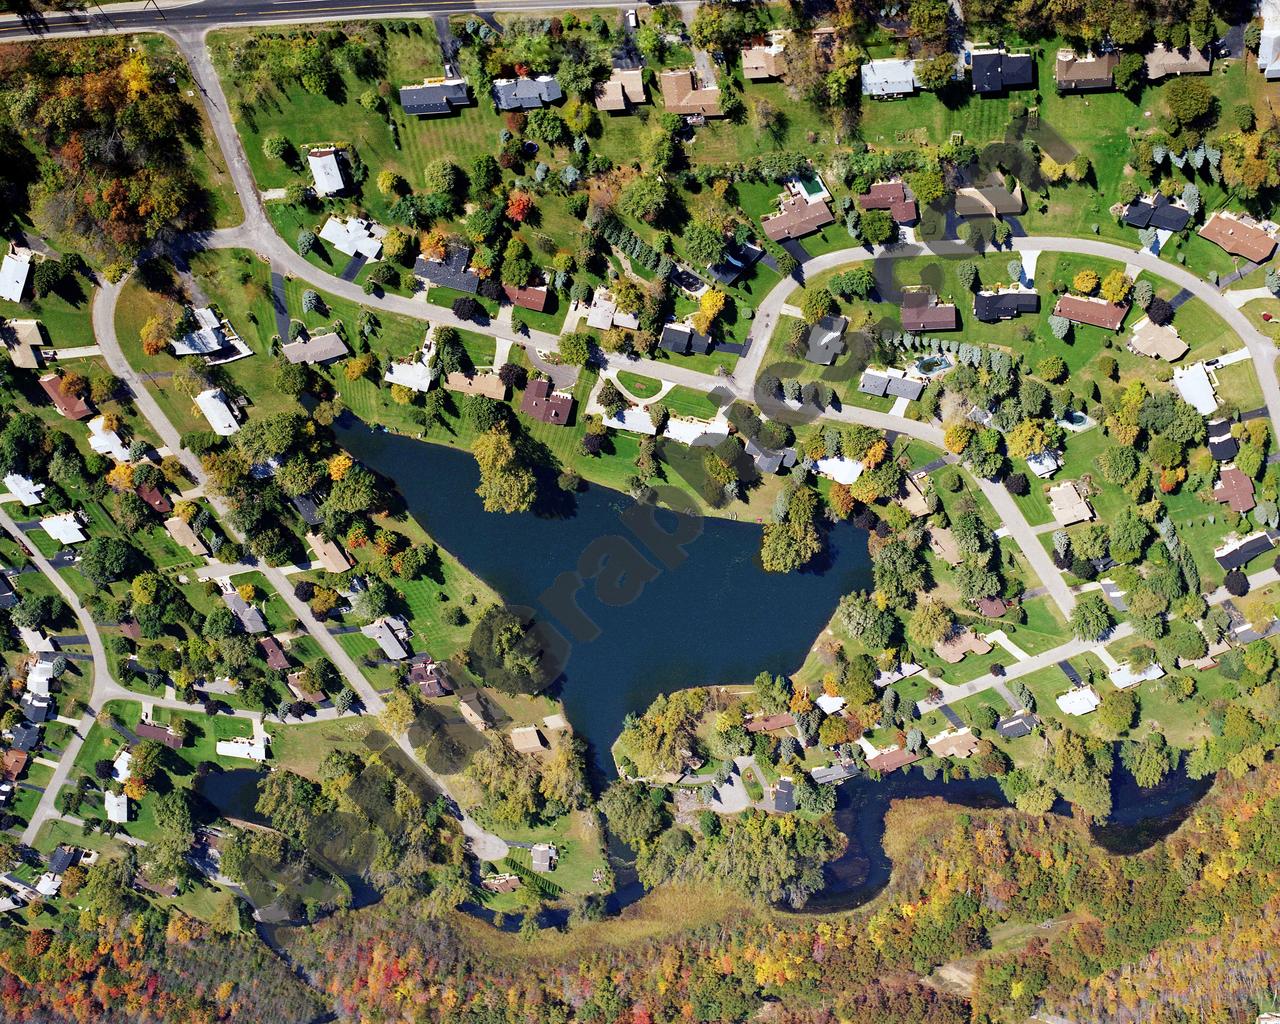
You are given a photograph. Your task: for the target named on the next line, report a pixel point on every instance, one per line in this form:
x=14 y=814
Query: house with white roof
x=65 y=528
x=217 y=410
x=1269 y=43
x=841 y=470
x=1124 y=677
x=1043 y=464
x=35 y=641
x=1080 y=701
x=697 y=433
x=24 y=489
x=254 y=749
x=355 y=235
x=117 y=806
x=106 y=442
x=15 y=272
x=634 y=419
x=121 y=765
x=327 y=172
x=889 y=78
x=1196 y=388
x=415 y=375
x=391 y=634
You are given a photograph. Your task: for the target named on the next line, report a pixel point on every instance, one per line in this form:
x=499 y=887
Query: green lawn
x=638 y=386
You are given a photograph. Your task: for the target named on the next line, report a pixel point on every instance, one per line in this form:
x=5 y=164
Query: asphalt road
x=205 y=14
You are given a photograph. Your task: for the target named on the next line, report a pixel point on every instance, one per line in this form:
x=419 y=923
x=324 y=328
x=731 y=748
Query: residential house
x=780 y=798
x=41 y=674
x=1124 y=677
x=990 y=198
x=738 y=259
x=995 y=71
x=894 y=197
x=529 y=296
x=180 y=530
x=429 y=676
x=355 y=236
x=622 y=91
x=13 y=764
x=1163 y=61
x=36 y=708
x=391 y=634
x=543 y=857
x=603 y=313
x=24 y=489
x=958 y=643
x=770 y=723
x=8 y=596
x=889 y=78
x=317 y=350
x=1091 y=310
x=452 y=270
x=327 y=554
x=307 y=507
x=1068 y=505
x=296 y=686
x=542 y=403
x=473 y=711
x=249 y=748
x=1017 y=725
x=25 y=736
x=1240 y=236
x=162 y=734
x=1156 y=341
x=154 y=499
x=25 y=341
x=767 y=460
x=765 y=61
x=993 y=306
x=217 y=410
x=683 y=340
x=251 y=620
x=526 y=93
x=106 y=442
x=1079 y=701
x=892 y=759
x=796 y=217
x=487 y=384
x=500 y=883
x=1196 y=387
x=274 y=654
x=73 y=407
x=959 y=743
x=117 y=806
x=435 y=97
x=528 y=739
x=1043 y=464
x=208 y=339
x=892 y=383
x=991 y=607
x=1222 y=446
x=1073 y=73
x=689 y=92
x=1239 y=552
x=1269 y=42
x=921 y=311
x=1235 y=490
x=1157 y=211
x=841 y=470
x=65 y=528
x=326 y=171
x=824 y=340
x=414 y=374
x=942 y=542
x=15 y=275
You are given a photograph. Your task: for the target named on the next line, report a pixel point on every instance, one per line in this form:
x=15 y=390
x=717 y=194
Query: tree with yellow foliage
x=1116 y=286
x=874 y=455
x=120 y=477
x=135 y=788
x=957 y=437
x=1051 y=170
x=359 y=366
x=339 y=465
x=247 y=591
x=402 y=395
x=158 y=330
x=1085 y=282
x=709 y=307
x=186 y=510
x=74 y=384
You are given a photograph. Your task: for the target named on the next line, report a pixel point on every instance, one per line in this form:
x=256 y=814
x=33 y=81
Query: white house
x=1043 y=464
x=120 y=766
x=24 y=489
x=326 y=171
x=634 y=419
x=217 y=411
x=1124 y=677
x=14 y=274
x=251 y=749
x=64 y=528
x=841 y=470
x=1196 y=388
x=117 y=805
x=106 y=442
x=415 y=375
x=888 y=78
x=355 y=235
x=1079 y=701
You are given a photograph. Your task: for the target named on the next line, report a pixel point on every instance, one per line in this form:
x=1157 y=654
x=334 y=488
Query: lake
x=718 y=618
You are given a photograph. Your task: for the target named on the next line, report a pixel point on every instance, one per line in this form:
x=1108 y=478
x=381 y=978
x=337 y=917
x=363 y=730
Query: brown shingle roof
x=71 y=406
x=1163 y=61
x=488 y=384
x=892 y=760
x=891 y=196
x=159 y=733
x=762 y=62
x=959 y=643
x=922 y=312
x=622 y=90
x=1095 y=312
x=530 y=297
x=682 y=94
x=1239 y=236
x=274 y=653
x=1235 y=490
x=543 y=404
x=1073 y=72
x=152 y=496
x=795 y=219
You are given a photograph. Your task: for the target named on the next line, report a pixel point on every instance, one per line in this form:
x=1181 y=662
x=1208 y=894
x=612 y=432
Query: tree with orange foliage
x=432 y=244
x=339 y=465
x=158 y=330
x=120 y=477
x=74 y=384
x=134 y=788
x=519 y=205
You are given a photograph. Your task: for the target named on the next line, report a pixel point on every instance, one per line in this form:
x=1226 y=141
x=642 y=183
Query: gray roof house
x=825 y=340
x=525 y=93
x=891 y=383
x=683 y=339
x=8 y=597
x=435 y=97
x=250 y=618
x=767 y=460
x=26 y=736
x=451 y=272
x=391 y=634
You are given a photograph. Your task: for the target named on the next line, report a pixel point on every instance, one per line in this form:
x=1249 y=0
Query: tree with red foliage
x=519 y=205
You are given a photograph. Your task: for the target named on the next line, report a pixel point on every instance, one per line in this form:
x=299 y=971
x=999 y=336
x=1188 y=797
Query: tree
x=1059 y=326
x=1117 y=711
x=1026 y=439
x=1091 y=617
x=1129 y=72
x=506 y=484
x=898 y=571
x=1085 y=282
x=106 y=559
x=1189 y=100
x=930 y=622
x=704 y=242
x=866 y=621
x=1116 y=286
x=957 y=437
x=576 y=348
x=158 y=330
x=793 y=542
x=710 y=305
x=1237 y=583
x=440 y=176
x=816 y=304
x=1149 y=761
x=519 y=206
x=1160 y=311
x=645 y=198
x=933 y=73
x=1052 y=368
x=877 y=227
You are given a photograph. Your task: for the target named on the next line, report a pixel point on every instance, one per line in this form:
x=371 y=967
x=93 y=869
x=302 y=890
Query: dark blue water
x=716 y=619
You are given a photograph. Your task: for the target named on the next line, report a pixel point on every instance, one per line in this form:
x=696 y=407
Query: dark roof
x=543 y=404
x=992 y=607
x=905 y=387
x=1074 y=72
x=873 y=383
x=430 y=677
x=450 y=272
x=683 y=339
x=529 y=297
x=307 y=508
x=25 y=736
x=782 y=798
x=525 y=93
x=62 y=858
x=159 y=733
x=921 y=313
x=738 y=259
x=1092 y=311
x=1017 y=725
x=73 y=407
x=274 y=653
x=891 y=196
x=992 y=306
x=432 y=98
x=767 y=460
x=1244 y=553
x=996 y=71
x=8 y=597
x=825 y=340
x=36 y=708
x=1222 y=446
x=1159 y=213
x=153 y=497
